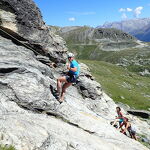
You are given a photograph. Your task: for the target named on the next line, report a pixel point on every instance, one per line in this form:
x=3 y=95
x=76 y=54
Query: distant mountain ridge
x=139 y=27
x=110 y=45
x=105 y=39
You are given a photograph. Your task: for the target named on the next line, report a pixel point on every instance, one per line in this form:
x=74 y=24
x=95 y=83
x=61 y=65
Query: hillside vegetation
x=121 y=85
x=104 y=51
x=7 y=147
x=134 y=59
x=110 y=45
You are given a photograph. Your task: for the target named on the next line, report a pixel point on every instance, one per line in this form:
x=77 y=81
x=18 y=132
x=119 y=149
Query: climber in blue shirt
x=70 y=78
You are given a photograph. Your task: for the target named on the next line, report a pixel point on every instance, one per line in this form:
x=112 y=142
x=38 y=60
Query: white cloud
x=129 y=9
x=124 y=16
x=71 y=19
x=81 y=13
x=122 y=10
x=125 y=9
x=137 y=11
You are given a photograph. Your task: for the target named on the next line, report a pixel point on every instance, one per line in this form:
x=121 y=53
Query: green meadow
x=121 y=85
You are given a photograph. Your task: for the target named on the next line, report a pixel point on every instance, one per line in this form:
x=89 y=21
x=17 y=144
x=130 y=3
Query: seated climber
x=70 y=77
x=128 y=128
x=120 y=117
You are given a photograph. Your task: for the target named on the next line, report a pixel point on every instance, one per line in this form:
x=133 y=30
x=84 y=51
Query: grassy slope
x=78 y=42
x=116 y=81
x=91 y=52
x=6 y=147
x=120 y=84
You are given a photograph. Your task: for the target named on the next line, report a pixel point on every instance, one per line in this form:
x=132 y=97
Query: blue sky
x=91 y=12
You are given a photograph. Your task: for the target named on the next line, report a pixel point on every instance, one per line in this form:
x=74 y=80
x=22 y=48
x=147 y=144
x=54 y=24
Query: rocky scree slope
x=30 y=116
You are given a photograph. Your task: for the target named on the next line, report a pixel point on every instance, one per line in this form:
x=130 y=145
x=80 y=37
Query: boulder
x=25 y=19
x=141 y=113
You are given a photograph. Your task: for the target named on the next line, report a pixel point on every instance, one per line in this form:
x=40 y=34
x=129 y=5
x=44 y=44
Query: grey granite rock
x=24 y=18
x=77 y=123
x=141 y=113
x=30 y=116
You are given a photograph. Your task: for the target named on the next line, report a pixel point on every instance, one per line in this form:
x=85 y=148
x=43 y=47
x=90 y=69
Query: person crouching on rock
x=71 y=77
x=120 y=117
x=128 y=128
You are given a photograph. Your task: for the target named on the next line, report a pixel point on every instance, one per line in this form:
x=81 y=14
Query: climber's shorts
x=71 y=78
x=132 y=132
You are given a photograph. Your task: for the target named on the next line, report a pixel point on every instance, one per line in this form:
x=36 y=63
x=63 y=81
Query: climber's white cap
x=70 y=55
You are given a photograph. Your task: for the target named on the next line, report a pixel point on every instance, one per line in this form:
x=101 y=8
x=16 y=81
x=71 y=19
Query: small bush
x=7 y=147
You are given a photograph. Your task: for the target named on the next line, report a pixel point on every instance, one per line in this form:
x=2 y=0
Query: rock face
x=24 y=18
x=78 y=123
x=32 y=119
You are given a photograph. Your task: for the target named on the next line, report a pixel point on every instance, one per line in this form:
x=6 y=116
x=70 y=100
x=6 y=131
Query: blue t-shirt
x=74 y=64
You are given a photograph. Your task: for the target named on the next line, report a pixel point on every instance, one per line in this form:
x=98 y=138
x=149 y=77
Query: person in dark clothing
x=128 y=128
